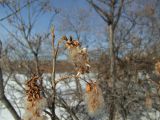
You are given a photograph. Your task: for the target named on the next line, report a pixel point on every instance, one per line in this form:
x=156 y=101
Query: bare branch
x=16 y=11
x=3 y=98
x=105 y=16
x=118 y=14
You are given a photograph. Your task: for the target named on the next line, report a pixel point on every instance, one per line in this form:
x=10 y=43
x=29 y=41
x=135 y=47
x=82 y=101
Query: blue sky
x=67 y=7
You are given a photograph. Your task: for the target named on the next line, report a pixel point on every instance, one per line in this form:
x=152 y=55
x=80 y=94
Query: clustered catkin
x=94 y=99
x=35 y=103
x=78 y=56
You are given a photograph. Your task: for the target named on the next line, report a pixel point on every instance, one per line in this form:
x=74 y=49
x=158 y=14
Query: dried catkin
x=157 y=68
x=78 y=56
x=34 y=103
x=94 y=99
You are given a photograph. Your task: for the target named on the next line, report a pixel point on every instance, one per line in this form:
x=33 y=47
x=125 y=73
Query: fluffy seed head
x=35 y=103
x=94 y=99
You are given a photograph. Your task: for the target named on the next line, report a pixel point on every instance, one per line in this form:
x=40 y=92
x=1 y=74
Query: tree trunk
x=112 y=55
x=112 y=70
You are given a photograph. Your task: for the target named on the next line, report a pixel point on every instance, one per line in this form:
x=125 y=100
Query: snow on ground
x=62 y=86
x=5 y=115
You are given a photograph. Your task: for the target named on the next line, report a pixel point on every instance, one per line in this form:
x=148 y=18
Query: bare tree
x=111 y=17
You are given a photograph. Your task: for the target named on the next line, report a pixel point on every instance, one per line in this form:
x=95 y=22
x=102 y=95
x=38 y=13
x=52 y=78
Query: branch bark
x=54 y=54
x=3 y=98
